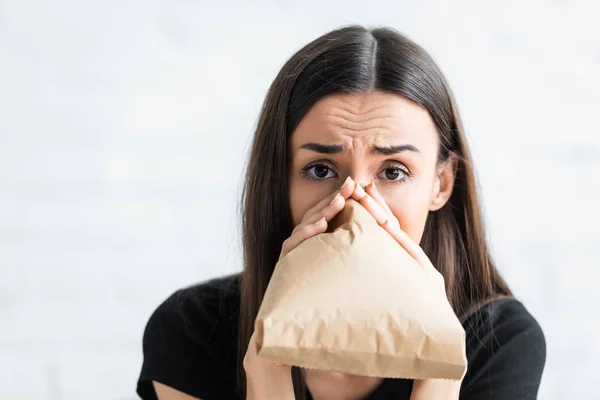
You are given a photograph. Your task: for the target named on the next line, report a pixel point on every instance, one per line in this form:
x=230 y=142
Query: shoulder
x=506 y=352
x=216 y=300
x=507 y=314
x=190 y=340
x=195 y=311
x=503 y=320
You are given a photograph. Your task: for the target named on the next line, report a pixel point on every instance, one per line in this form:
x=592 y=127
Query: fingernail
x=360 y=191
x=321 y=221
x=370 y=185
x=345 y=183
x=335 y=198
x=374 y=188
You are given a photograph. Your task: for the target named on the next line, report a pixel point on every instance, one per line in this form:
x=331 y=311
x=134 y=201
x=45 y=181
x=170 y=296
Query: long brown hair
x=356 y=60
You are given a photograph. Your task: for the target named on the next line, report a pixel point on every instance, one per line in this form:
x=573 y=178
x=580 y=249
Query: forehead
x=376 y=118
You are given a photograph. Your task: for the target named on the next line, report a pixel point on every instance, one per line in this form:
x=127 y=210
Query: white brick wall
x=123 y=130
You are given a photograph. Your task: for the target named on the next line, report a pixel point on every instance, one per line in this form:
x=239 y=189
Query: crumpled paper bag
x=353 y=300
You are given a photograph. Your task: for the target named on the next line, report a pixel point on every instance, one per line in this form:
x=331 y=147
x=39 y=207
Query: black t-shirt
x=190 y=344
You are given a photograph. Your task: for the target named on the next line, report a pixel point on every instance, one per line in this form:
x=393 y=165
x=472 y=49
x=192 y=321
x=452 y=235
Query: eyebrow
x=323 y=148
x=389 y=150
x=379 y=150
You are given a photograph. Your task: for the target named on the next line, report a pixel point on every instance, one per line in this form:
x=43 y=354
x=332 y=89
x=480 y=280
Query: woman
x=362 y=114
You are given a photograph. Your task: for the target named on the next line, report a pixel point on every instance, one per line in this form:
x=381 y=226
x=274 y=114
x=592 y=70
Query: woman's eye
x=394 y=174
x=320 y=172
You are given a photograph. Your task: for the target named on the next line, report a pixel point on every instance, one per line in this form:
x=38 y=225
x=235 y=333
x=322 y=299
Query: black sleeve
x=178 y=351
x=506 y=351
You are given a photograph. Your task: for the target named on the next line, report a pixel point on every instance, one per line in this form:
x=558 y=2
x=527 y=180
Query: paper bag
x=353 y=300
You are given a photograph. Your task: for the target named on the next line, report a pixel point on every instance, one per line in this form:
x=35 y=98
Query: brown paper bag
x=354 y=301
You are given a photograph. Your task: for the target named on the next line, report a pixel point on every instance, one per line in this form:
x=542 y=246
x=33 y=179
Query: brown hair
x=356 y=60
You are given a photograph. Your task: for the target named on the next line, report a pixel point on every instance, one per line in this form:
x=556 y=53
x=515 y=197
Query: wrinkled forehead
x=375 y=119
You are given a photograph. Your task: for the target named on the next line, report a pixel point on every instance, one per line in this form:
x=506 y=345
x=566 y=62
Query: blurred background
x=124 y=129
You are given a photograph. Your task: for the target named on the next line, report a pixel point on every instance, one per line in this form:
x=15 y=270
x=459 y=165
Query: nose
x=361 y=180
x=358 y=169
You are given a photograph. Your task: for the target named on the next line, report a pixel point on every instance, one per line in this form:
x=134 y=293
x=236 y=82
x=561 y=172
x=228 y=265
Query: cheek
x=411 y=208
x=298 y=205
x=305 y=195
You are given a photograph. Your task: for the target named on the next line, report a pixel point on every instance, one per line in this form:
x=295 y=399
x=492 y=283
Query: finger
x=411 y=247
x=328 y=212
x=300 y=235
x=394 y=230
x=372 y=191
x=345 y=191
x=347 y=188
x=371 y=205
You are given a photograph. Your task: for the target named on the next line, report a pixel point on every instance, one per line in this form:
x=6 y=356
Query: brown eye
x=321 y=171
x=393 y=174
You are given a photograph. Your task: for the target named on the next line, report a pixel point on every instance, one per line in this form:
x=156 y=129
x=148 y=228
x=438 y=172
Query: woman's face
x=376 y=136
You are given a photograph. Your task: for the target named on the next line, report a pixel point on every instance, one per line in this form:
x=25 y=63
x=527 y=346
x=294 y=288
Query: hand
x=369 y=198
x=316 y=219
x=264 y=379
x=435 y=389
